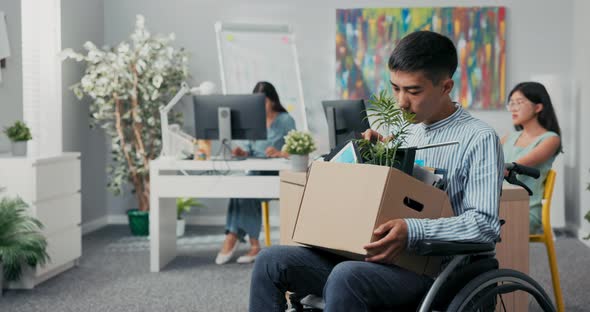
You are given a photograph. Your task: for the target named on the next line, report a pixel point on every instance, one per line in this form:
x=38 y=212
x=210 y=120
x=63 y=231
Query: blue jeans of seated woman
x=244 y=215
x=345 y=285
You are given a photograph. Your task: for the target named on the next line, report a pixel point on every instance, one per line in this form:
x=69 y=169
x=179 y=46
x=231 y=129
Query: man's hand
x=394 y=238
x=373 y=136
x=239 y=152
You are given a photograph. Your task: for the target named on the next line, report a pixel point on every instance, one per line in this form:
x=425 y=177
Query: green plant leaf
x=184 y=205
x=18 y=132
x=21 y=242
x=386 y=115
x=109 y=80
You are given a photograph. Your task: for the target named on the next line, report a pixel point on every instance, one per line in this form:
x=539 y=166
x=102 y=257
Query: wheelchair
x=471 y=281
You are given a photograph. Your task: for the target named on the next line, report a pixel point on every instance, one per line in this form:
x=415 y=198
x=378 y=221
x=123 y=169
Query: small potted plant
x=183 y=205
x=298 y=145
x=388 y=116
x=21 y=241
x=18 y=134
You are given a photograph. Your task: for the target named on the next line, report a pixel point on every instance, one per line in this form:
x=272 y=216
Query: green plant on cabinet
x=18 y=132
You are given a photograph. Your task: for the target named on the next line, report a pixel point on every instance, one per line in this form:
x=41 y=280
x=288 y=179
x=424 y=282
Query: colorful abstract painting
x=366 y=37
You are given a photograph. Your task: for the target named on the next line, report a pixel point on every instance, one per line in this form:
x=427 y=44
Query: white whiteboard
x=249 y=53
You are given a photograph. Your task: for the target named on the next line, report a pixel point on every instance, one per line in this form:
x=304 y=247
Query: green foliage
x=184 y=205
x=18 y=132
x=298 y=143
x=127 y=85
x=387 y=115
x=20 y=239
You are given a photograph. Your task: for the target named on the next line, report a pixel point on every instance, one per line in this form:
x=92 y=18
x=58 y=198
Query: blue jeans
x=345 y=285
x=244 y=215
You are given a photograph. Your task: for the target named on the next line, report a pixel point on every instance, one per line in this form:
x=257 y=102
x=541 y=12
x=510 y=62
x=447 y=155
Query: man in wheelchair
x=421 y=69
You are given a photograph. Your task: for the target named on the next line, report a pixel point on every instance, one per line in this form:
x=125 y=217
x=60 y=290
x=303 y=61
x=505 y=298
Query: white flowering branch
x=127 y=85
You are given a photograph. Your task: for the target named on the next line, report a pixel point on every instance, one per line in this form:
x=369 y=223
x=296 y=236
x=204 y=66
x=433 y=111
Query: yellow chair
x=266 y=223
x=547 y=238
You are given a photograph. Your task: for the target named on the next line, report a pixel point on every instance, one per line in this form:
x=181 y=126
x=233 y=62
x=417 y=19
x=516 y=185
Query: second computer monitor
x=346 y=120
x=232 y=116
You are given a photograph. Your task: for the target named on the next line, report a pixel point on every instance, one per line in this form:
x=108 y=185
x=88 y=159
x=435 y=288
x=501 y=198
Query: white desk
x=166 y=184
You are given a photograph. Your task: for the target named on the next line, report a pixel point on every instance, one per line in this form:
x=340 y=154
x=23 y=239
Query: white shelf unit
x=51 y=188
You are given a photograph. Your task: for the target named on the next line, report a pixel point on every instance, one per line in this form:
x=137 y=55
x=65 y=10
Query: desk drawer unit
x=51 y=188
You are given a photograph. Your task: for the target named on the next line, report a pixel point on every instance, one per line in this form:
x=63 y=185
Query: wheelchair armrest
x=440 y=248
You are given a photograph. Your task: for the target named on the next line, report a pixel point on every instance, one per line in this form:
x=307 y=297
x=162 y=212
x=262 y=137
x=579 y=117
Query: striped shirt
x=475 y=170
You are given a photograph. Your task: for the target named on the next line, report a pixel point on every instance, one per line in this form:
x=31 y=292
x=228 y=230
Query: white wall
x=538 y=32
x=11 y=87
x=578 y=175
x=81 y=21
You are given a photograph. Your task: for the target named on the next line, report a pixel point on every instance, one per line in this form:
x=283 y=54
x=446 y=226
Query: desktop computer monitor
x=346 y=120
x=230 y=117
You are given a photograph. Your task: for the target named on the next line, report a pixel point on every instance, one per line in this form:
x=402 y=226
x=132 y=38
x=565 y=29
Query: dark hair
x=536 y=93
x=271 y=93
x=426 y=51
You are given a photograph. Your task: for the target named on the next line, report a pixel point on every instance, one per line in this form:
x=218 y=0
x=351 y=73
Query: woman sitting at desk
x=244 y=215
x=536 y=141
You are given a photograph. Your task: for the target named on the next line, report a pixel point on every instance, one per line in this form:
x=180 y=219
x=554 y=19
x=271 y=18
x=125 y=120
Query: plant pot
x=19 y=148
x=299 y=162
x=139 y=222
x=180 y=226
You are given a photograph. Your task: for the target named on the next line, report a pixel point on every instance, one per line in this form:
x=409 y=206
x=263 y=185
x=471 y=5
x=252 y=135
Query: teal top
x=511 y=154
x=275 y=134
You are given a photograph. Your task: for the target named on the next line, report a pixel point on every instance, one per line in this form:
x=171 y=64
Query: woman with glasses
x=536 y=141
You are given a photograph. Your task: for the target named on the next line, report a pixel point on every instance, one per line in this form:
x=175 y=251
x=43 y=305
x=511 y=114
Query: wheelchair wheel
x=482 y=293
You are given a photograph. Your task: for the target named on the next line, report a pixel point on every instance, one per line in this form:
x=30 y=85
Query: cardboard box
x=291 y=193
x=343 y=203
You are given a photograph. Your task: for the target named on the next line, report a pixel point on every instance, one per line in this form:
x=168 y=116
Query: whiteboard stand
x=249 y=53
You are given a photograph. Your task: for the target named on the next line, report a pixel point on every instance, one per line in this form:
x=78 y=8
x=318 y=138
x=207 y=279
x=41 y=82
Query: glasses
x=515 y=105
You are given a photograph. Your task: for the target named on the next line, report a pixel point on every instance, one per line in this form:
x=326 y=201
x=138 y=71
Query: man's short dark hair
x=426 y=51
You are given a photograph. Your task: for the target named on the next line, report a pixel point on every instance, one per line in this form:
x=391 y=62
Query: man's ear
x=447 y=86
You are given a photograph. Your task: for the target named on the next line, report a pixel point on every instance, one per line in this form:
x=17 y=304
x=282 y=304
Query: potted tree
x=18 y=134
x=183 y=206
x=127 y=85
x=21 y=242
x=298 y=145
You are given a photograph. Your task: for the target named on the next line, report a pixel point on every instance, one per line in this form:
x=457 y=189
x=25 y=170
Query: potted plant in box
x=395 y=121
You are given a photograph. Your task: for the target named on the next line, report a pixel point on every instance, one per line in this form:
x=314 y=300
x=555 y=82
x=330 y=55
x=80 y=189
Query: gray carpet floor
x=113 y=275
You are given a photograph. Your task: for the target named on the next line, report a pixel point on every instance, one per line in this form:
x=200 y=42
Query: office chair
x=547 y=238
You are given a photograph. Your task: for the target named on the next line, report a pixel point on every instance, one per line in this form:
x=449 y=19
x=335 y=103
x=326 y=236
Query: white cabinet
x=51 y=188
